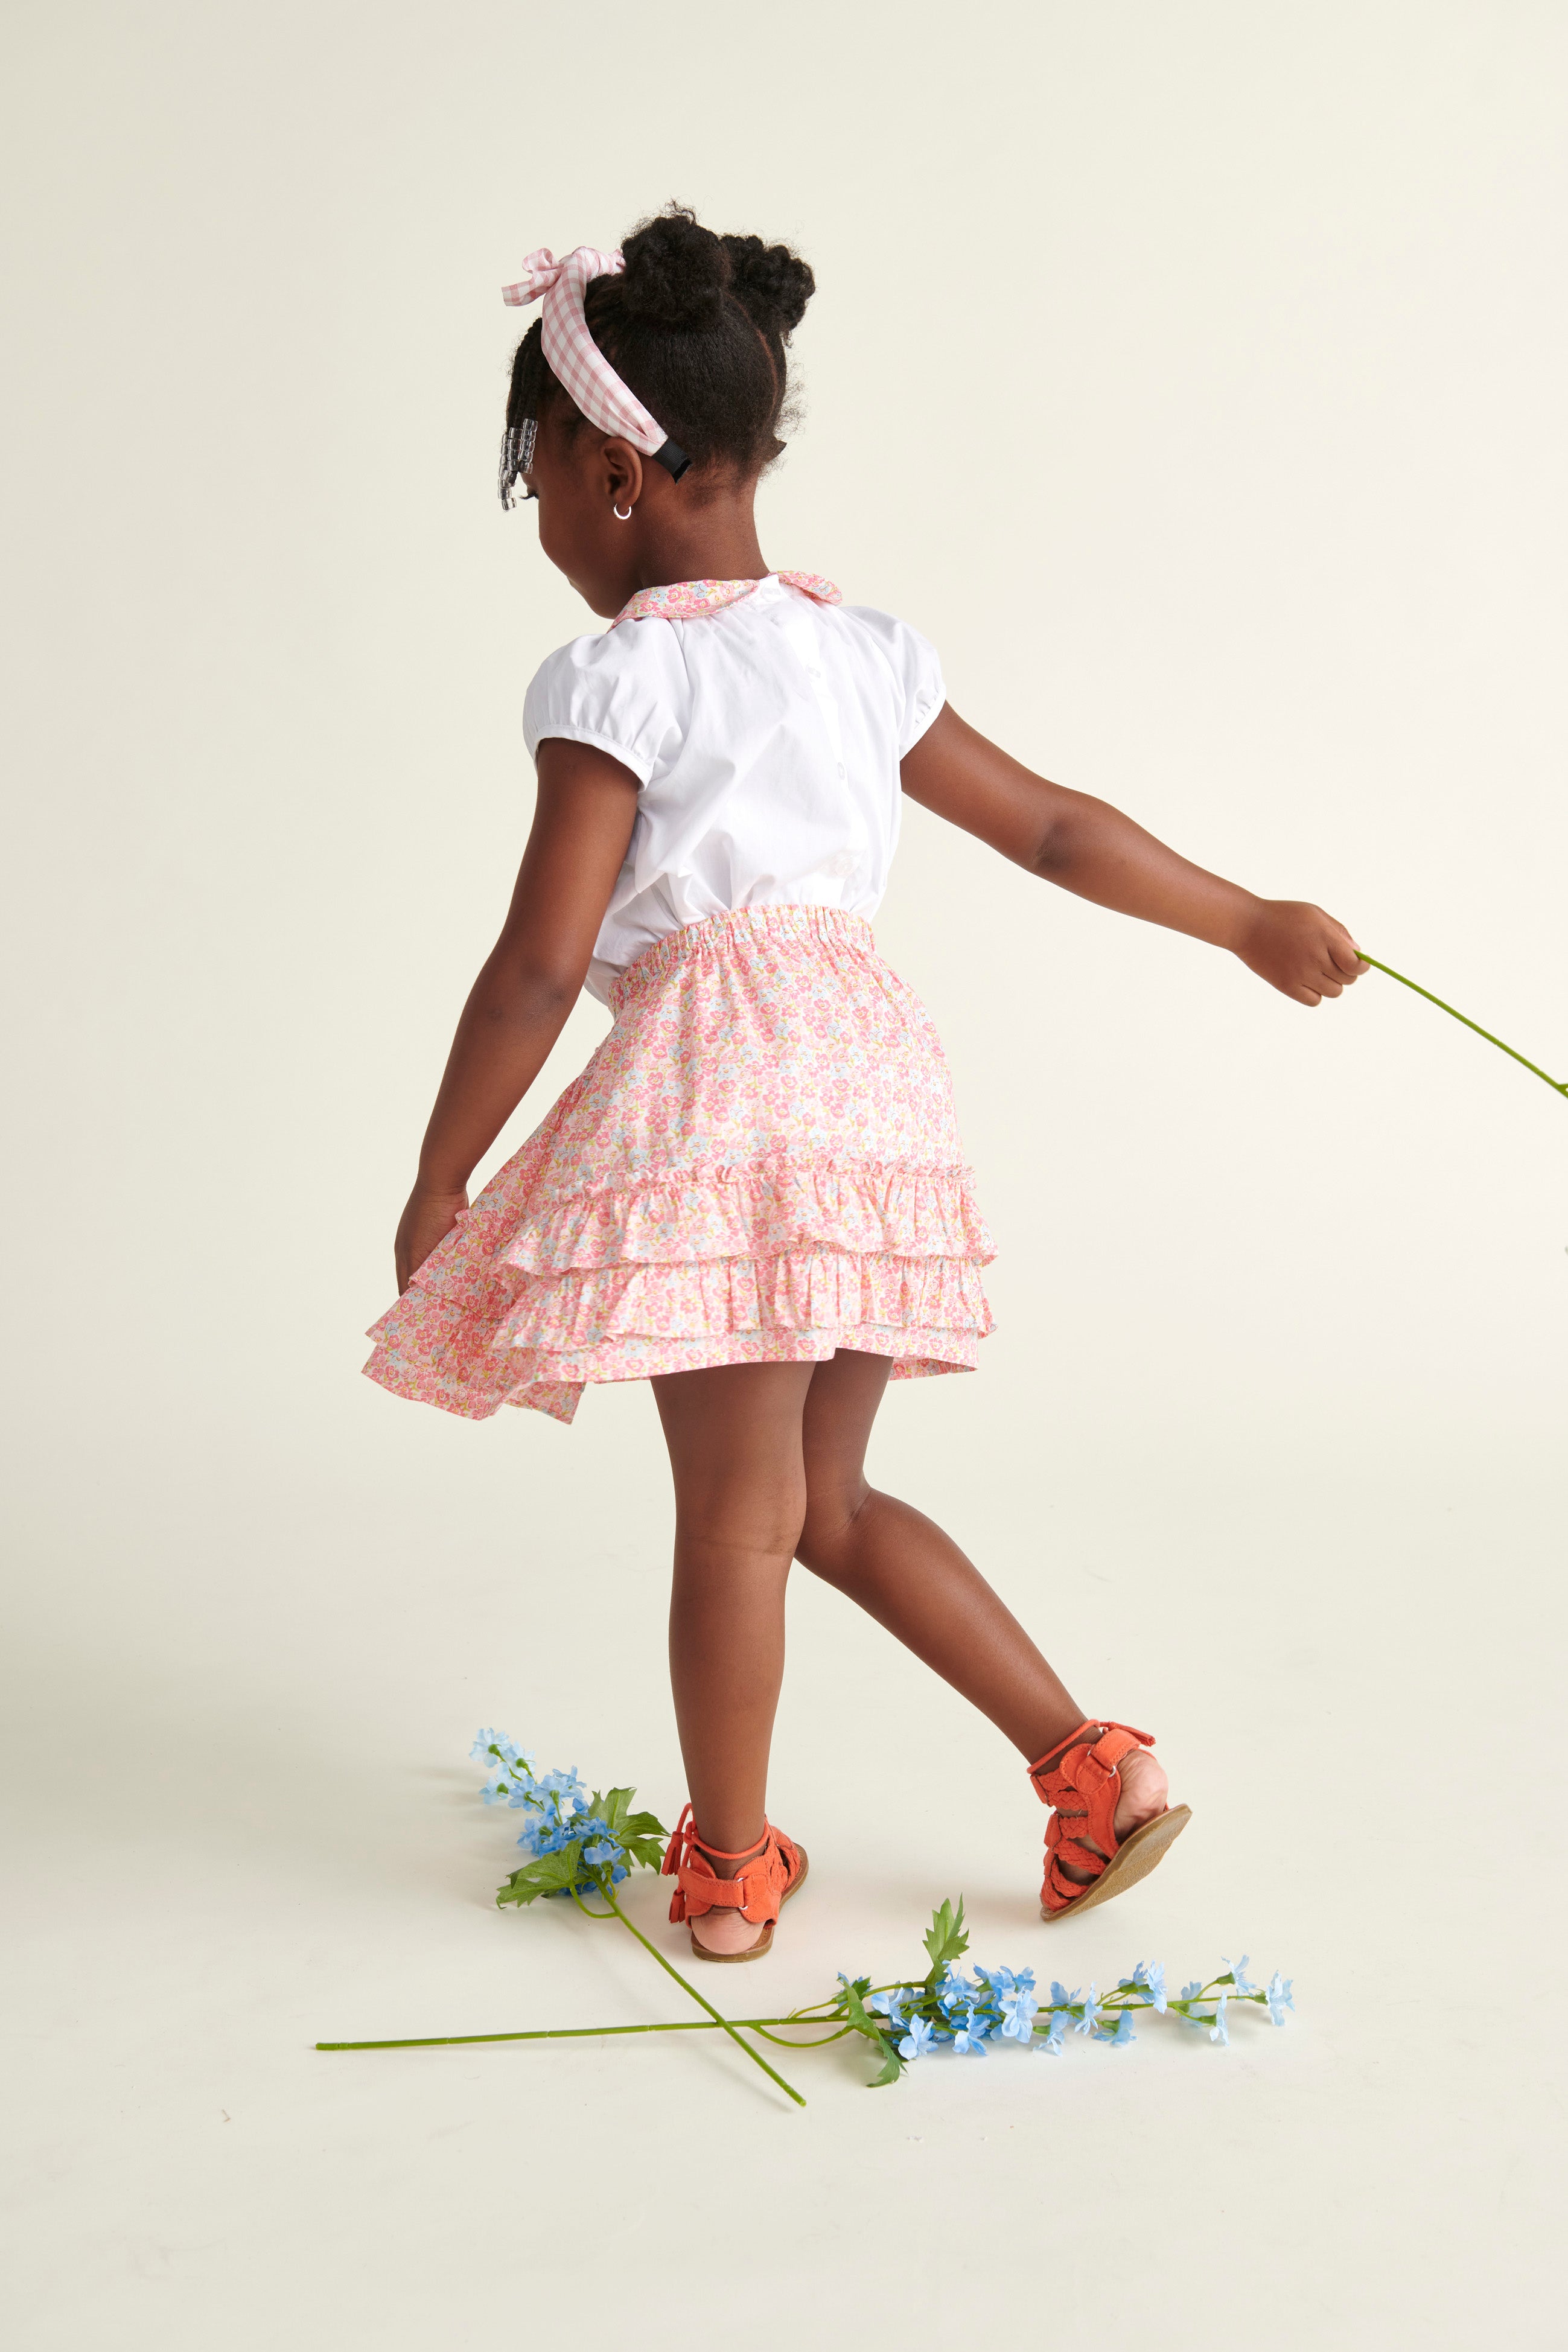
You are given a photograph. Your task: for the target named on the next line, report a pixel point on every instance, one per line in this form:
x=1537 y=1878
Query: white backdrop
x=1193 y=375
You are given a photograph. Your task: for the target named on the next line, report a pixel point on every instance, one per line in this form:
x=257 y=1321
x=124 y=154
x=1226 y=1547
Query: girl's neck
x=717 y=540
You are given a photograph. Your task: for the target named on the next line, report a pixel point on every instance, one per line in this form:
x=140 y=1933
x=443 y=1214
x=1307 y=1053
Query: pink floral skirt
x=759 y=1165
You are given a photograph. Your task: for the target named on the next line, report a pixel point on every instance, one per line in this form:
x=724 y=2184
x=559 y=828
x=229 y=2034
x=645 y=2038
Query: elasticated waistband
x=786 y=930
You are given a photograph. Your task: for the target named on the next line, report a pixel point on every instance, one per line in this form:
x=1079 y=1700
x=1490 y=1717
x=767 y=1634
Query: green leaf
x=892 y=2067
x=551 y=1873
x=856 y=2012
x=643 y=1835
x=875 y=2031
x=945 y=1938
x=645 y=1838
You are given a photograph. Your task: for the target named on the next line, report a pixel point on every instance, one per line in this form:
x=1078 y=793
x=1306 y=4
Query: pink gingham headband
x=578 y=363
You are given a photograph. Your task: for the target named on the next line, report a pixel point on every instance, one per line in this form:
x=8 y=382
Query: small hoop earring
x=619 y=515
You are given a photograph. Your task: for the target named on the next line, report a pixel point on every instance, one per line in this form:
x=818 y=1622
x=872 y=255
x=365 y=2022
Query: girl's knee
x=746 y=1528
x=832 y=1512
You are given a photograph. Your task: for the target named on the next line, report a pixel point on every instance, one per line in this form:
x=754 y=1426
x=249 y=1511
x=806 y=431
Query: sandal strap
x=756 y=1889
x=1080 y=1779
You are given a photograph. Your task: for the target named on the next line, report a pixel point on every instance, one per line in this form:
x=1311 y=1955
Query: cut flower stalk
x=1558 y=1086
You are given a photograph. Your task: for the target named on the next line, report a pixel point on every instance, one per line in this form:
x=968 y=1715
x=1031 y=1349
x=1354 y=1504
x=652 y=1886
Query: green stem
x=584 y=2033
x=1558 y=1086
x=759 y=2025
x=755 y=2055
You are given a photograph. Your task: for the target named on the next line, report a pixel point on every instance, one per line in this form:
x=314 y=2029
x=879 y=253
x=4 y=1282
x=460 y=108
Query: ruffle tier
x=759 y=1211
x=487 y=1328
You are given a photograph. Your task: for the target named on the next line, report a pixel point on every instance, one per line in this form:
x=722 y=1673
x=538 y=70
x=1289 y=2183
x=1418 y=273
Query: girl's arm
x=1091 y=849
x=517 y=1008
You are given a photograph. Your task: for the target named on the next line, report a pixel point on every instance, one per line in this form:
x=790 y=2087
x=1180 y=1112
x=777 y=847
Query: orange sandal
x=769 y=1875
x=1079 y=1778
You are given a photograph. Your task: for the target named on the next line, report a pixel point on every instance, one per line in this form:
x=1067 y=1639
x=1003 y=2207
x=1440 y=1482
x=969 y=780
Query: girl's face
x=579 y=481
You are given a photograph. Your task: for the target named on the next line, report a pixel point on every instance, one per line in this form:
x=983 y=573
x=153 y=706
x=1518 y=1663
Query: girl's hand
x=1299 y=950
x=427 y=1221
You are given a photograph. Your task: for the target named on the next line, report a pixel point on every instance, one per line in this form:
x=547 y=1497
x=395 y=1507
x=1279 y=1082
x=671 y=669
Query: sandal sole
x=759 y=1950
x=1135 y=1858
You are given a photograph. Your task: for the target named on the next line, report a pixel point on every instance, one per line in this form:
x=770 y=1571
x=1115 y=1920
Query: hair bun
x=677 y=272
x=774 y=284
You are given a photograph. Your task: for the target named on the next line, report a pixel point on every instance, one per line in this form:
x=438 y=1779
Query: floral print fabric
x=686 y=600
x=760 y=1165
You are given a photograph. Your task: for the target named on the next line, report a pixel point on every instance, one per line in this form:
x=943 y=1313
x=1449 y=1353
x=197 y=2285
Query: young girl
x=754 y=1195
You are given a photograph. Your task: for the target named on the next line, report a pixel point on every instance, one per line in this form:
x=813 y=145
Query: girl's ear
x=622 y=473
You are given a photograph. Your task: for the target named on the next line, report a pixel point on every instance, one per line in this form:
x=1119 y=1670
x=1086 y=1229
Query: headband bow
x=576 y=359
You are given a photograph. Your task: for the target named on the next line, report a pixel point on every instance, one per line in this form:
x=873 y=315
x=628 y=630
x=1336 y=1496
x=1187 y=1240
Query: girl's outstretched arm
x=1091 y=849
x=582 y=827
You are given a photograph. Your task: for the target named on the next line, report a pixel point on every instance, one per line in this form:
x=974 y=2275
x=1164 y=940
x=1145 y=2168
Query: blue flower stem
x=800 y=2016
x=580 y=2033
x=755 y=2055
x=759 y=2025
x=1558 y=1086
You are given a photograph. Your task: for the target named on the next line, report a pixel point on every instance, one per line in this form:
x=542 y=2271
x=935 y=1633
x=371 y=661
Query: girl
x=753 y=1196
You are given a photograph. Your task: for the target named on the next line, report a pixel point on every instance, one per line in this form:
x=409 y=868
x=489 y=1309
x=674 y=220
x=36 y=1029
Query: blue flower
x=890 y=2005
x=1090 y=2018
x=1239 y=1971
x=1019 y=2015
x=565 y=1788
x=1191 y=1992
x=1001 y=1984
x=489 y=1744
x=591 y=1826
x=1052 y=2041
x=956 y=1991
x=917 y=2041
x=1123 y=2033
x=1280 y=1997
x=970 y=2036
x=604 y=1850
x=1153 y=1980
x=1060 y=1997
x=1219 y=2030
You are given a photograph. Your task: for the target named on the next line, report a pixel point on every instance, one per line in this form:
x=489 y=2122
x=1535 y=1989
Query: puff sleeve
x=917 y=672
x=625 y=692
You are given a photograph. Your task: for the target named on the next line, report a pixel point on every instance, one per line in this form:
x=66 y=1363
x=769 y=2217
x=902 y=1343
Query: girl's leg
x=734 y=1440
x=904 y=1571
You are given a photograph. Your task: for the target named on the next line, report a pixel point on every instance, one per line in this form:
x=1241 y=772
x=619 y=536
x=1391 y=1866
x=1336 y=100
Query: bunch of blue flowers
x=584 y=1845
x=949 y=2010
x=575 y=1842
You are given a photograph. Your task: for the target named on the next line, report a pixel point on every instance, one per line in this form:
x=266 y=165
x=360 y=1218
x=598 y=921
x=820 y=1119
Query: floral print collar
x=687 y=599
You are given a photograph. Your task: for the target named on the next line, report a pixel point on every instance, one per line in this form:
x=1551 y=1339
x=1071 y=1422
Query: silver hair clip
x=516 y=455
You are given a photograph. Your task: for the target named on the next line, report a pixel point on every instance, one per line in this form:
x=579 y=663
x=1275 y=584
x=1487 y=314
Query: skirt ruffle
x=760 y=1165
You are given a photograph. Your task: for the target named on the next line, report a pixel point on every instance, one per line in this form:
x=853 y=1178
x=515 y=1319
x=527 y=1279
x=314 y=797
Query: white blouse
x=765 y=729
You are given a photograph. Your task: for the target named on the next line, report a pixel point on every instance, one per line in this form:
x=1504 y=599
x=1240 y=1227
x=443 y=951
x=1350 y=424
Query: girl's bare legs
x=904 y=1571
x=734 y=1440
x=769 y=1466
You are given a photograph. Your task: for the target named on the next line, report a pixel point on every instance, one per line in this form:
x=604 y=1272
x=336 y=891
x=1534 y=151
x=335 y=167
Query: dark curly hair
x=696 y=325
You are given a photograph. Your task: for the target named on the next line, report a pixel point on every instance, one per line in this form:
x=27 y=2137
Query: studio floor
x=243 y=1841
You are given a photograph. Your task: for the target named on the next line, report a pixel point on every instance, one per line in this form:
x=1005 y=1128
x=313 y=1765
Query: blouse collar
x=688 y=599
